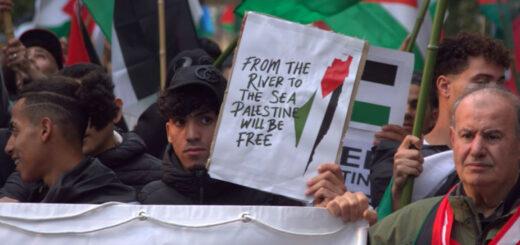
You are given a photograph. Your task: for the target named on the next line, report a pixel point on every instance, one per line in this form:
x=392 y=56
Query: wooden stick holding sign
x=162 y=43
x=8 y=25
x=429 y=66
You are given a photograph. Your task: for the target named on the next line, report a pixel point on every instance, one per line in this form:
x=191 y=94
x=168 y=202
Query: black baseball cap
x=46 y=40
x=200 y=75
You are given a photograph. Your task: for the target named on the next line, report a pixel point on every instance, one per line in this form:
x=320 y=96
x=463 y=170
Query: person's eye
x=493 y=137
x=179 y=122
x=466 y=136
x=206 y=120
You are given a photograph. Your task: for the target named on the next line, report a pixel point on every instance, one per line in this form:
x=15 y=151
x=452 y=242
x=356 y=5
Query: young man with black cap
x=191 y=104
x=35 y=55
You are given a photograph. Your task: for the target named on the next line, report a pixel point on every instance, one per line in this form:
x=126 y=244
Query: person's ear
x=119 y=104
x=443 y=86
x=46 y=128
x=169 y=135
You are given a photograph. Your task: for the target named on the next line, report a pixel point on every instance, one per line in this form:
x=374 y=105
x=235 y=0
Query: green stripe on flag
x=61 y=30
x=103 y=13
x=371 y=22
x=369 y=113
x=302 y=11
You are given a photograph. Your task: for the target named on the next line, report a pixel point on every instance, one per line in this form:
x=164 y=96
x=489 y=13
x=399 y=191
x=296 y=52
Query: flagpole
x=162 y=43
x=417 y=26
x=509 y=43
x=226 y=53
x=8 y=25
x=431 y=57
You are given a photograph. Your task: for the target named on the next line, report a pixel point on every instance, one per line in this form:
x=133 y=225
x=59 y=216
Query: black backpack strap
x=424 y=235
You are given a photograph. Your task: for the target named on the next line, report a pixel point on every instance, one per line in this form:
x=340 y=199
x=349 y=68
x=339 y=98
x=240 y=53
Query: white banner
x=286 y=105
x=125 y=224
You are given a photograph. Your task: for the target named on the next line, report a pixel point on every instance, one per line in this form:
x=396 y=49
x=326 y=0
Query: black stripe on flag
x=378 y=72
x=137 y=29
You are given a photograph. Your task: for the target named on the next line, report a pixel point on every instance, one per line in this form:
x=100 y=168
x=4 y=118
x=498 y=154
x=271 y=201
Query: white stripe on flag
x=406 y=16
x=511 y=236
x=122 y=85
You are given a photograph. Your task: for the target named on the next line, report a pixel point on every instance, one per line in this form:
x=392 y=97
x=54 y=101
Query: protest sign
x=29 y=223
x=286 y=106
x=380 y=99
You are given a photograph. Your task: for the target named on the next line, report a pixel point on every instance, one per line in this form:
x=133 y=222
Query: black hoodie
x=180 y=187
x=129 y=160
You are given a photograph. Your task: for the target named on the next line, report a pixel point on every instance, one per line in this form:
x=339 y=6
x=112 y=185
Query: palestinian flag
x=383 y=23
x=499 y=15
x=493 y=12
x=49 y=14
x=516 y=42
x=132 y=28
x=80 y=48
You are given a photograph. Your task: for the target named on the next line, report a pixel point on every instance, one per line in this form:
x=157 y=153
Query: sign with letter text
x=286 y=106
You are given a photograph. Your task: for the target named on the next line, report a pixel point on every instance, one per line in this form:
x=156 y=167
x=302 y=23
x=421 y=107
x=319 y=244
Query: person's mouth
x=479 y=165
x=194 y=150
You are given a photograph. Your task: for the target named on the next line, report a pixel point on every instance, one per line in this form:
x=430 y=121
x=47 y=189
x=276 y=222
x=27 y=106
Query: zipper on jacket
x=200 y=177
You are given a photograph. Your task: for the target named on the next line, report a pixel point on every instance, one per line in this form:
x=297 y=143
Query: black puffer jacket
x=180 y=187
x=129 y=160
x=89 y=182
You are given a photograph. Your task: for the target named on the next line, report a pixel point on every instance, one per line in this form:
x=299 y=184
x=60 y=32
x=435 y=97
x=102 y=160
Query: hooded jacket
x=129 y=160
x=89 y=182
x=131 y=164
x=197 y=187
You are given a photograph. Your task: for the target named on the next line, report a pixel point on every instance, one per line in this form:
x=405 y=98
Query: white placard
x=162 y=224
x=397 y=69
x=286 y=105
x=436 y=169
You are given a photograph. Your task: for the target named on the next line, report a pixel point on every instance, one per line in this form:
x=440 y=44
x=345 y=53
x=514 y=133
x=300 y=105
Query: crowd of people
x=65 y=142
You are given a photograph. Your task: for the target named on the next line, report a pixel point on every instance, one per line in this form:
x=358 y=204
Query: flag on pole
x=80 y=48
x=498 y=12
x=49 y=14
x=384 y=23
x=134 y=35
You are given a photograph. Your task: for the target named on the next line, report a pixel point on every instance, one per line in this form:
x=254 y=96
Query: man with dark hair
x=123 y=153
x=191 y=105
x=48 y=125
x=469 y=58
x=388 y=140
x=484 y=207
x=150 y=126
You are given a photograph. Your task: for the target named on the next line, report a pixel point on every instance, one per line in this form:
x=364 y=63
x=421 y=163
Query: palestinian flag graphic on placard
x=332 y=82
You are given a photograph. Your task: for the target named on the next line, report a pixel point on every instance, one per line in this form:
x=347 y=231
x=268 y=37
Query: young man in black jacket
x=123 y=153
x=191 y=105
x=48 y=124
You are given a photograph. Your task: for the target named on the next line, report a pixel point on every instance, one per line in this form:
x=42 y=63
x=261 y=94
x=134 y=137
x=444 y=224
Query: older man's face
x=486 y=148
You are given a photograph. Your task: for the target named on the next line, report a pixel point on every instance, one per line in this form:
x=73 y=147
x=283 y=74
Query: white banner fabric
x=115 y=223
